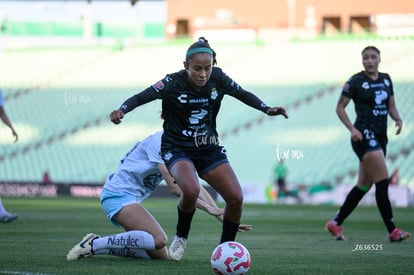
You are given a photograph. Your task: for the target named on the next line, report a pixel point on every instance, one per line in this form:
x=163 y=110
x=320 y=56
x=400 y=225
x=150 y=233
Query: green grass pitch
x=285 y=240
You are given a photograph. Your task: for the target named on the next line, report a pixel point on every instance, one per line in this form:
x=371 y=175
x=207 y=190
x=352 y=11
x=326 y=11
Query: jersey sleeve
x=232 y=88
x=388 y=82
x=347 y=88
x=152 y=147
x=139 y=99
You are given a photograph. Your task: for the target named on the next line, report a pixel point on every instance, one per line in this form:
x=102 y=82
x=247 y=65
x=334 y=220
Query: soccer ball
x=230 y=258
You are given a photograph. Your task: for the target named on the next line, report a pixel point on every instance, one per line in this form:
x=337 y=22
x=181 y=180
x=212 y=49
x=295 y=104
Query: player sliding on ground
x=138 y=174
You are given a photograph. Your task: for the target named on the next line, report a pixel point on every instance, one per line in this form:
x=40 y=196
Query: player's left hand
x=245 y=227
x=214 y=211
x=275 y=111
x=398 y=124
x=16 y=137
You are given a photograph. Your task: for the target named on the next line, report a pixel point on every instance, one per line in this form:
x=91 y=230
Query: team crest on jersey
x=168 y=156
x=365 y=85
x=213 y=94
x=386 y=82
x=158 y=86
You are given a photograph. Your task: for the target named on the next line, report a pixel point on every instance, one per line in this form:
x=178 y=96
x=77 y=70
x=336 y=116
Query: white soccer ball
x=230 y=258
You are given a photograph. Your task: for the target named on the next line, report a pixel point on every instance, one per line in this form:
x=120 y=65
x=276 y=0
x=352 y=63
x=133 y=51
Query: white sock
x=134 y=239
x=124 y=252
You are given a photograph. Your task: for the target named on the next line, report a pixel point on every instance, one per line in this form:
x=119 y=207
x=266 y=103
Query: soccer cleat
x=397 y=235
x=335 y=230
x=177 y=248
x=8 y=218
x=82 y=249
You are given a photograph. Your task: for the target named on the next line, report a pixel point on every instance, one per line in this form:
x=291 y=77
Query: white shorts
x=113 y=202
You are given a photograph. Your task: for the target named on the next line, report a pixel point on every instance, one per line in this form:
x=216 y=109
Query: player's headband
x=190 y=52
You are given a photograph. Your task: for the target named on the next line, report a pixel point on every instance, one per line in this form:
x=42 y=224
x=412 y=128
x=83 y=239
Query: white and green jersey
x=138 y=172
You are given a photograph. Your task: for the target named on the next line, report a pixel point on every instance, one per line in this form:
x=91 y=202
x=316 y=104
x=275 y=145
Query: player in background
x=373 y=96
x=138 y=174
x=5 y=118
x=190 y=146
x=5 y=216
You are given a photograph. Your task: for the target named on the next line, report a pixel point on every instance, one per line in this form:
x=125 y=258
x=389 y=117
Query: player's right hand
x=116 y=116
x=275 y=111
x=356 y=135
x=245 y=227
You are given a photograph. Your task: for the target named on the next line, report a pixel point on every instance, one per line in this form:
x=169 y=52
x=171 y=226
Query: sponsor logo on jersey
x=182 y=98
x=158 y=86
x=198 y=100
x=380 y=96
x=377 y=112
x=377 y=85
x=387 y=82
x=365 y=85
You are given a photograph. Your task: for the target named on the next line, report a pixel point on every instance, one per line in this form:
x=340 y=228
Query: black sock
x=384 y=204
x=351 y=201
x=229 y=231
x=184 y=223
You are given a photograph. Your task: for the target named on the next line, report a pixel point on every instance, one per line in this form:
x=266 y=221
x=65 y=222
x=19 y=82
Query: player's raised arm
x=131 y=103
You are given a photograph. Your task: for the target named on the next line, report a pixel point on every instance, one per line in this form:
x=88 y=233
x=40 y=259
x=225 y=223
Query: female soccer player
x=190 y=103
x=138 y=174
x=373 y=96
x=5 y=118
x=5 y=216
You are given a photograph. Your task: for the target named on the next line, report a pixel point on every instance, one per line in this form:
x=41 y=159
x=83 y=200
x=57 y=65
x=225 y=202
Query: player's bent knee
x=234 y=201
x=160 y=241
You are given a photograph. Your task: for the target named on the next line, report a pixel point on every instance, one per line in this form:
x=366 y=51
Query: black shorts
x=203 y=160
x=370 y=142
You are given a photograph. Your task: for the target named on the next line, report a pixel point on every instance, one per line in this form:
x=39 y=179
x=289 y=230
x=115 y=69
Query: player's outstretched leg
x=8 y=217
x=82 y=249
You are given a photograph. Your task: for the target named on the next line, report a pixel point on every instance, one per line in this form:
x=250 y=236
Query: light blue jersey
x=138 y=174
